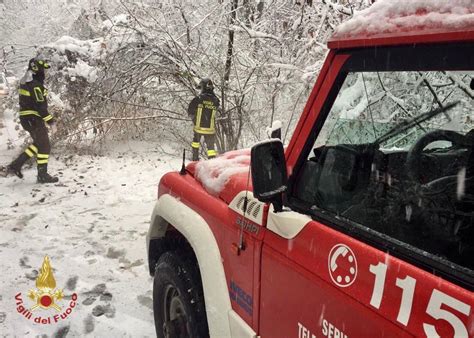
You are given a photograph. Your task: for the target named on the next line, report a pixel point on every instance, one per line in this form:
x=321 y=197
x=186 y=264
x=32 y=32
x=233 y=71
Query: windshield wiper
x=407 y=124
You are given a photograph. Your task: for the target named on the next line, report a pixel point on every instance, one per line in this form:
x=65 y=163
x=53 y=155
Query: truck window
x=389 y=158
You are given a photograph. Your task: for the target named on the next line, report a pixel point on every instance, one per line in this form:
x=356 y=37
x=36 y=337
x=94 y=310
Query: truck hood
x=224 y=176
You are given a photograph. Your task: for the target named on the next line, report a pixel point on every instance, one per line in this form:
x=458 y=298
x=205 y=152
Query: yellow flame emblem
x=45 y=278
x=45 y=296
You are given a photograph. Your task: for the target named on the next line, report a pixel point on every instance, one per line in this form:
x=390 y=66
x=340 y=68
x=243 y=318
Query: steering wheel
x=414 y=156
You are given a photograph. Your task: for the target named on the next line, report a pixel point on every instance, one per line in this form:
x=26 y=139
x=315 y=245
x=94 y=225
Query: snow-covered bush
x=133 y=74
x=263 y=60
x=75 y=65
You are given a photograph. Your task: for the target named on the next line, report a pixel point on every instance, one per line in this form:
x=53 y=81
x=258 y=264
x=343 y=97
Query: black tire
x=178 y=302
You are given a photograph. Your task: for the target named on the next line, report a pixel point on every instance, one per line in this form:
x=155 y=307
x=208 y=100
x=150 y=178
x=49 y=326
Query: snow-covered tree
x=139 y=69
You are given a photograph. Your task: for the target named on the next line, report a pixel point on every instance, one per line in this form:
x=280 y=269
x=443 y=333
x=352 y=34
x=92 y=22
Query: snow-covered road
x=92 y=224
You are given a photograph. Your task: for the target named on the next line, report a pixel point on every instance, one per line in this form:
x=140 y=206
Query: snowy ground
x=92 y=224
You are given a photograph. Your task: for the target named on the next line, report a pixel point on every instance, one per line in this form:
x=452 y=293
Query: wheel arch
x=173 y=221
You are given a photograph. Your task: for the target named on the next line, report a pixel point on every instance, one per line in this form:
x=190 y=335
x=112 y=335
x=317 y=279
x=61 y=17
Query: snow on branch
x=339 y=8
x=253 y=34
x=461 y=84
x=286 y=66
x=132 y=118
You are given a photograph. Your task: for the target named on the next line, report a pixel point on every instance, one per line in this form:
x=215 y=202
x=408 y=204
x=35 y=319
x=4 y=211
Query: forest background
x=128 y=69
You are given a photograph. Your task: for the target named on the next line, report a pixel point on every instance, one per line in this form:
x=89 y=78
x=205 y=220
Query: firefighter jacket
x=203 y=109
x=33 y=100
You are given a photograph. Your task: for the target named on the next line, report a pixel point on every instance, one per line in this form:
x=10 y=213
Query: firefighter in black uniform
x=202 y=110
x=33 y=118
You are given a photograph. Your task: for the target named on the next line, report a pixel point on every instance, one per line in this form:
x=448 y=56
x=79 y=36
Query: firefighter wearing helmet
x=34 y=117
x=202 y=110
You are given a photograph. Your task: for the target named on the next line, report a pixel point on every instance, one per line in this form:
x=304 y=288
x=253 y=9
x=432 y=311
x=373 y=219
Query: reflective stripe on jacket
x=203 y=110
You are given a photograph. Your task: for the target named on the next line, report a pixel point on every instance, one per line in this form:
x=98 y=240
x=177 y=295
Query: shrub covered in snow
x=135 y=73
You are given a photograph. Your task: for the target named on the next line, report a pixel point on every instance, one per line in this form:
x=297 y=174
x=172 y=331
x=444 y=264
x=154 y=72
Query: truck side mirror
x=269 y=177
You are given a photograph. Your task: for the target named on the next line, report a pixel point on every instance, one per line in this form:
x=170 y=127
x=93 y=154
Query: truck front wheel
x=178 y=302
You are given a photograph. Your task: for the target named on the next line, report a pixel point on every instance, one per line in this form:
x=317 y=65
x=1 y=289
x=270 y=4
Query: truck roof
x=389 y=22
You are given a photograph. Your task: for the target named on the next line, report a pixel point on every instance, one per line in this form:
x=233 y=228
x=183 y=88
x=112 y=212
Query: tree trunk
x=225 y=132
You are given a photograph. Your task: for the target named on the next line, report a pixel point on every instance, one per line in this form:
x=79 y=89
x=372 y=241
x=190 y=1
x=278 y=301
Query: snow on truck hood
x=402 y=17
x=225 y=175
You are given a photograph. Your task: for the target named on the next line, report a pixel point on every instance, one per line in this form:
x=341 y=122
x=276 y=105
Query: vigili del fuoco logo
x=45 y=298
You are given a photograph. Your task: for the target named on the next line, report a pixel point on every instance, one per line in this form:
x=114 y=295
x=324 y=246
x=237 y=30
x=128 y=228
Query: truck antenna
x=183 y=167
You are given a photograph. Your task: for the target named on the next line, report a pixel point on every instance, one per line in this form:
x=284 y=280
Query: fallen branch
x=138 y=105
x=137 y=118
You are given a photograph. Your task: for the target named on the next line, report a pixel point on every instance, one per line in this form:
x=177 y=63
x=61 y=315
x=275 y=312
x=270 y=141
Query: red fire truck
x=362 y=226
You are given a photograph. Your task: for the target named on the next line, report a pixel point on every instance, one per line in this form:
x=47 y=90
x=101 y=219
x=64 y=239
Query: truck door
x=378 y=238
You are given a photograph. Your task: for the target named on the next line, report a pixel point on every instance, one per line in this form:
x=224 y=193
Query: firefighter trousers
x=41 y=147
x=209 y=139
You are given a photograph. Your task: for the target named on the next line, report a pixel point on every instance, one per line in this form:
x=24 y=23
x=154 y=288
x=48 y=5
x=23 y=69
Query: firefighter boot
x=43 y=176
x=15 y=166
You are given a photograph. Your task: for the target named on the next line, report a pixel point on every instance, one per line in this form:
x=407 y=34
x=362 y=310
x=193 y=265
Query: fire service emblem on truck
x=342 y=265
